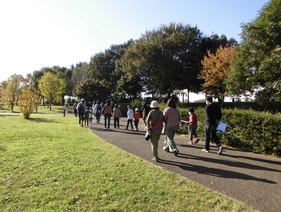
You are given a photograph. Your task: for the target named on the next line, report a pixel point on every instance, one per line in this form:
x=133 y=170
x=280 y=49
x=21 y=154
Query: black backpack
x=80 y=108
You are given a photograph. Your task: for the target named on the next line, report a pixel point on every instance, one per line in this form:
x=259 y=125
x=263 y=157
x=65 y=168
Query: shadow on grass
x=41 y=120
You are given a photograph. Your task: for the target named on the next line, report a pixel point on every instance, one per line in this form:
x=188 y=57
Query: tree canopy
x=257 y=69
x=215 y=69
x=51 y=87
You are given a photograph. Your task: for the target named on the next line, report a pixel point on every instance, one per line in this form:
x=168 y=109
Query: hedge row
x=248 y=130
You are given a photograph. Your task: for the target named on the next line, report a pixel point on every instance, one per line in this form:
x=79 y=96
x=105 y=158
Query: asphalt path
x=253 y=179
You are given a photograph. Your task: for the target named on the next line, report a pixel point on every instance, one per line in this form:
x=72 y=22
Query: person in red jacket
x=137 y=118
x=192 y=127
x=155 y=123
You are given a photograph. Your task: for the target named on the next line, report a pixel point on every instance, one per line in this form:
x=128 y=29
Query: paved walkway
x=250 y=178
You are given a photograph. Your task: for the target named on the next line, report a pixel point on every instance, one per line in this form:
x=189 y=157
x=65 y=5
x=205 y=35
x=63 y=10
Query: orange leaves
x=215 y=69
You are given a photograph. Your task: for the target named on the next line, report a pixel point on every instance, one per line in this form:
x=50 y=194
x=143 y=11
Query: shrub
x=246 y=129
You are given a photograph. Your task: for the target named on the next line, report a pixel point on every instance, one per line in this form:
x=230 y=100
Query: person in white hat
x=155 y=123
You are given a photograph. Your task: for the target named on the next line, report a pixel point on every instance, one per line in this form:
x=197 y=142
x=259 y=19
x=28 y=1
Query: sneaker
x=190 y=143
x=205 y=150
x=197 y=140
x=176 y=152
x=166 y=149
x=220 y=150
x=154 y=159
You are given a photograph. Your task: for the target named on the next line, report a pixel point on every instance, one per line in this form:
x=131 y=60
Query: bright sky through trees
x=44 y=33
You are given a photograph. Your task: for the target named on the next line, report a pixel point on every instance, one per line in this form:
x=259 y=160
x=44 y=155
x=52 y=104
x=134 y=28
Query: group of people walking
x=156 y=122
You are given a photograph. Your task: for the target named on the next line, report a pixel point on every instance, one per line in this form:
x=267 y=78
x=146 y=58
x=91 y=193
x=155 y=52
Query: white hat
x=154 y=104
x=136 y=109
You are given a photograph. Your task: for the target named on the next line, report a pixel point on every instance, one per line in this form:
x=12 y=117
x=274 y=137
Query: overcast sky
x=44 y=33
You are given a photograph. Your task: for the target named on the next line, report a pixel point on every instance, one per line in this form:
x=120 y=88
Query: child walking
x=192 y=127
x=130 y=116
x=137 y=118
x=87 y=116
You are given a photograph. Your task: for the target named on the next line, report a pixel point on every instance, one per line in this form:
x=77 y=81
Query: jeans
x=211 y=130
x=107 y=118
x=116 y=122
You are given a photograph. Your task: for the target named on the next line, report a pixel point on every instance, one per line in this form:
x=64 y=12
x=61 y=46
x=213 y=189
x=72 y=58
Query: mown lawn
x=49 y=163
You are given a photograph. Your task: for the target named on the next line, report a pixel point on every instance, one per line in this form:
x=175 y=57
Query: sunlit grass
x=50 y=163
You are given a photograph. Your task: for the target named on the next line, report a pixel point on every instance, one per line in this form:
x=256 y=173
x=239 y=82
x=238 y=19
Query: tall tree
x=51 y=87
x=103 y=66
x=11 y=90
x=167 y=58
x=257 y=69
x=92 y=89
x=215 y=69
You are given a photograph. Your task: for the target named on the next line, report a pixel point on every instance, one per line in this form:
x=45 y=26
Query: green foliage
x=253 y=131
x=51 y=87
x=136 y=103
x=257 y=68
x=103 y=67
x=165 y=59
x=92 y=90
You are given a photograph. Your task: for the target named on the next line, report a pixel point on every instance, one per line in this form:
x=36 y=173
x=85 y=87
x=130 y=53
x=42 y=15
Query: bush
x=253 y=131
x=246 y=129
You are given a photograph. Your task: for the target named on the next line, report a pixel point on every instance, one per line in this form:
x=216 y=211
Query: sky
x=46 y=33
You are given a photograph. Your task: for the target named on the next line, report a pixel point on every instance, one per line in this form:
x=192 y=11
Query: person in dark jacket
x=213 y=117
x=146 y=108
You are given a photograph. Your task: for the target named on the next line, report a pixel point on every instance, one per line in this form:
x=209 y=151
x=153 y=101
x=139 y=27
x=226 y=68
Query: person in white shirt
x=130 y=117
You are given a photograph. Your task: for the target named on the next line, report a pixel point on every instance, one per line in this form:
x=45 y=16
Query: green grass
x=49 y=163
x=41 y=109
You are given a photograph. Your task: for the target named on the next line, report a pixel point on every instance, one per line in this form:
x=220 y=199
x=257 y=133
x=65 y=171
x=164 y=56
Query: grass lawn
x=49 y=163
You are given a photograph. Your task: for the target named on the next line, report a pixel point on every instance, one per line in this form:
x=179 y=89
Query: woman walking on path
x=172 y=116
x=107 y=112
x=155 y=123
x=116 y=116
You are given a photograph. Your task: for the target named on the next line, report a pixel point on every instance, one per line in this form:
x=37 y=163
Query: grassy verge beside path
x=49 y=163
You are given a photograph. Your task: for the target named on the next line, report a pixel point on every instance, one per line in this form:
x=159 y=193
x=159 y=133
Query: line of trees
x=174 y=57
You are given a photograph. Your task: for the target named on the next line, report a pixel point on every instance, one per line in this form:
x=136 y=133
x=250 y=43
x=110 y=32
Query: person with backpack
x=97 y=109
x=81 y=108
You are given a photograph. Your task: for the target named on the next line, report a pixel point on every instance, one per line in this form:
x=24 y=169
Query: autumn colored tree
x=215 y=69
x=28 y=101
x=51 y=87
x=11 y=90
